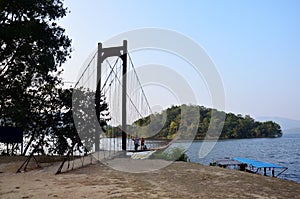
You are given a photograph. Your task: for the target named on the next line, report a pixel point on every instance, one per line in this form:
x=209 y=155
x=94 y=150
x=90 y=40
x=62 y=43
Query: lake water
x=284 y=151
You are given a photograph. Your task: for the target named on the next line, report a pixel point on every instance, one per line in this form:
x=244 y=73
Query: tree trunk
x=28 y=144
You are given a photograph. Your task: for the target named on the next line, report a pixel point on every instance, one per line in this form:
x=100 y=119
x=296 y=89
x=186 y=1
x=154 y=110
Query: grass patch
x=173 y=154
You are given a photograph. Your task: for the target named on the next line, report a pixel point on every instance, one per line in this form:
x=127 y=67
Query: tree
x=87 y=124
x=78 y=105
x=32 y=49
x=211 y=121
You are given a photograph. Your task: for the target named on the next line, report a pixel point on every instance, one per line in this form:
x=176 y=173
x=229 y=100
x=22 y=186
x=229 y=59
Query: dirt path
x=178 y=180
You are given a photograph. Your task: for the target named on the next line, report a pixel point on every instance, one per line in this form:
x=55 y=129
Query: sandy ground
x=178 y=180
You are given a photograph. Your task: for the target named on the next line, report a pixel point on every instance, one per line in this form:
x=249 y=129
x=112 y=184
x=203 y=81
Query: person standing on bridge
x=142 y=143
x=136 y=142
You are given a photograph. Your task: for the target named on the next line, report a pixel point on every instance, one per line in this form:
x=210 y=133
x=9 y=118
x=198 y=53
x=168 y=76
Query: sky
x=255 y=45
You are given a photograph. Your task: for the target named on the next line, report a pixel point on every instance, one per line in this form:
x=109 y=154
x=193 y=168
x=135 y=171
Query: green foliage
x=173 y=154
x=32 y=49
x=113 y=132
x=79 y=108
x=234 y=126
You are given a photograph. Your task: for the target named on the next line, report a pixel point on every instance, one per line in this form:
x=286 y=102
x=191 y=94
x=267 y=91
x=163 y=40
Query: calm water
x=284 y=151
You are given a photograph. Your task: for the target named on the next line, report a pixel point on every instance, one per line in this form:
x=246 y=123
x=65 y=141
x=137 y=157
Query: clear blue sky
x=254 y=44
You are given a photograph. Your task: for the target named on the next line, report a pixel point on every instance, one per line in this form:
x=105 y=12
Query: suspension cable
x=110 y=72
x=127 y=94
x=86 y=68
x=139 y=83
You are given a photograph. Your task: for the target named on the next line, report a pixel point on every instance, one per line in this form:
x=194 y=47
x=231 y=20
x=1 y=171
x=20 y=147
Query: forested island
x=167 y=123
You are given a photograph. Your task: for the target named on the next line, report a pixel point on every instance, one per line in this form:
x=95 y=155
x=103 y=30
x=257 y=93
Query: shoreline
x=203 y=139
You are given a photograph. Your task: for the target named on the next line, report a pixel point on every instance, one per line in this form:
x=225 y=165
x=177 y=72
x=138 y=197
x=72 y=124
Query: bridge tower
x=103 y=53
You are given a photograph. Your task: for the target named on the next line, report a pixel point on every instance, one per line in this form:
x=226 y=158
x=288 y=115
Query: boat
x=251 y=166
x=226 y=163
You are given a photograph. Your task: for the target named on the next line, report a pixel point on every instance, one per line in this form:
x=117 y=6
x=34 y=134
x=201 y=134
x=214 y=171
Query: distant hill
x=286 y=124
x=169 y=124
x=293 y=130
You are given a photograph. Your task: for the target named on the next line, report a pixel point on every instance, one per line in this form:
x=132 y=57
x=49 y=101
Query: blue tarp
x=258 y=164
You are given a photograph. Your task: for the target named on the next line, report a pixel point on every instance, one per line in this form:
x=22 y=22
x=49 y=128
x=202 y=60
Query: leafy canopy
x=32 y=49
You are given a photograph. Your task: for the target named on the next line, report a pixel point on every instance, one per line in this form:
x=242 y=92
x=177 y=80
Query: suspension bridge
x=111 y=76
x=110 y=109
x=108 y=96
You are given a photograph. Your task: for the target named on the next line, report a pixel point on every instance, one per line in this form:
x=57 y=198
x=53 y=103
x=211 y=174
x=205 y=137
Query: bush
x=173 y=154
